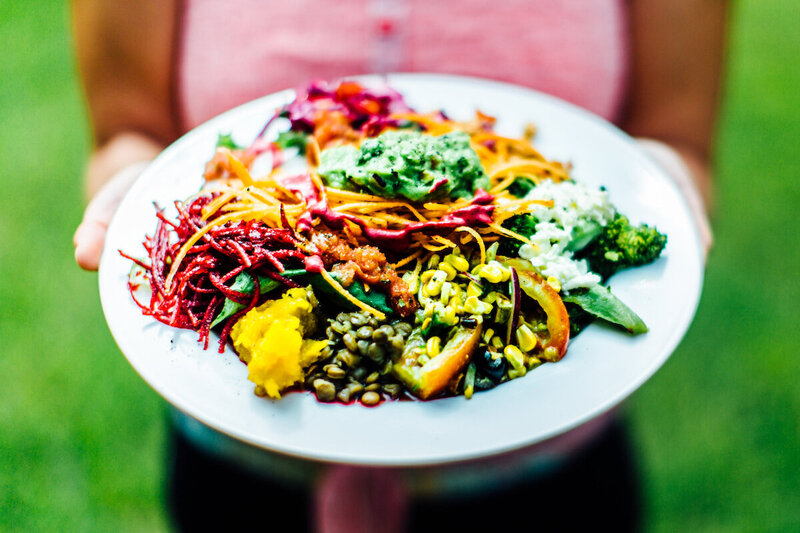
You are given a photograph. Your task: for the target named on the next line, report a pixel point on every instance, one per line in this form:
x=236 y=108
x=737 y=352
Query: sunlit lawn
x=81 y=435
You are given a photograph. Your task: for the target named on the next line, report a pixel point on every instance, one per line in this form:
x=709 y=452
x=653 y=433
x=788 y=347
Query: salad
x=410 y=255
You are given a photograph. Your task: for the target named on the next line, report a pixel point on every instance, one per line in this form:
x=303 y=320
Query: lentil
x=350 y=341
x=326 y=391
x=376 y=353
x=364 y=332
x=334 y=372
x=370 y=398
x=359 y=358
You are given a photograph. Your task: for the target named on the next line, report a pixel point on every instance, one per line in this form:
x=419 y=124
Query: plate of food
x=403 y=270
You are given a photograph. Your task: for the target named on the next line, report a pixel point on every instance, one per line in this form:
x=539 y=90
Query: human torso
x=233 y=52
x=236 y=51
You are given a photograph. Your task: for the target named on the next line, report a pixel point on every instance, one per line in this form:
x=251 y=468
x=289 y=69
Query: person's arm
x=677 y=56
x=125 y=54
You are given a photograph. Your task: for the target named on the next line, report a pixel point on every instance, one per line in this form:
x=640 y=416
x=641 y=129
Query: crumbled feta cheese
x=575 y=207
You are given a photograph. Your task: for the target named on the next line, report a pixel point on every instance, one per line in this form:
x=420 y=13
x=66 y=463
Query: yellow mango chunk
x=270 y=339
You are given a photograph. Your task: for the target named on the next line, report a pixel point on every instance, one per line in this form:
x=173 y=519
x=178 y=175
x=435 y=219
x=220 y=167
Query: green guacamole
x=401 y=164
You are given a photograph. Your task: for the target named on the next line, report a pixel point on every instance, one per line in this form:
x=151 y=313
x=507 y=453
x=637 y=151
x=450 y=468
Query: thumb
x=671 y=161
x=90 y=236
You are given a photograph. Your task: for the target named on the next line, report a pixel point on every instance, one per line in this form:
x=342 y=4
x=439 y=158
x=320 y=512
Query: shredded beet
x=364 y=108
x=203 y=280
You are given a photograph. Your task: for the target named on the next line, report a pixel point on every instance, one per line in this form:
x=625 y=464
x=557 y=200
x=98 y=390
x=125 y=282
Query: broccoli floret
x=521 y=186
x=525 y=225
x=622 y=245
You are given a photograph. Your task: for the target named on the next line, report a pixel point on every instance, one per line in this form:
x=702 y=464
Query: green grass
x=80 y=433
x=719 y=425
x=717 y=429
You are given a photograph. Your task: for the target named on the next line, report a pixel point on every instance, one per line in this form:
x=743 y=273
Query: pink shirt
x=235 y=51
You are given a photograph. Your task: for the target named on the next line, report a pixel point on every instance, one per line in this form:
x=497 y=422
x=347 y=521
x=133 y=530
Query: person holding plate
x=154 y=70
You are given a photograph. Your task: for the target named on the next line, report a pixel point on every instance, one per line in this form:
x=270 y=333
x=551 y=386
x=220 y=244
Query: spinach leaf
x=292 y=139
x=226 y=141
x=243 y=283
x=600 y=302
x=373 y=298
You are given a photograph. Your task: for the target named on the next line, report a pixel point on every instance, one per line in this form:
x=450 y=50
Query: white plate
x=602 y=367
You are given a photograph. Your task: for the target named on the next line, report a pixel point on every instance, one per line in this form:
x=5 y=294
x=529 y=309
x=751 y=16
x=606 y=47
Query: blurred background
x=717 y=429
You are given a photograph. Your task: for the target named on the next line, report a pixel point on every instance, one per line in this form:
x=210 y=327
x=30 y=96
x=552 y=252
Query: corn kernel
x=487 y=335
x=495 y=266
x=553 y=282
x=426 y=276
x=448 y=316
x=413 y=284
x=434 y=346
x=525 y=338
x=447 y=292
x=491 y=273
x=550 y=354
x=473 y=289
x=423 y=298
x=434 y=286
x=432 y=289
x=472 y=305
x=492 y=297
x=515 y=357
x=533 y=362
x=426 y=323
x=491 y=251
x=449 y=270
x=457 y=262
x=514 y=373
x=457 y=293
x=497 y=342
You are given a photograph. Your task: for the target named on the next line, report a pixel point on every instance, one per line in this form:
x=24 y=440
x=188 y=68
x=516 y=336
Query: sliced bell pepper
x=537 y=288
x=432 y=378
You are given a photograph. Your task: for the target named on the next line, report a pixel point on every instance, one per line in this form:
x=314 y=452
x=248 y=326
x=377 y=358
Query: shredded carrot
x=478 y=239
x=406 y=260
x=239 y=170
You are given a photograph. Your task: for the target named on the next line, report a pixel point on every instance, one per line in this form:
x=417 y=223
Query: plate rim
x=651 y=167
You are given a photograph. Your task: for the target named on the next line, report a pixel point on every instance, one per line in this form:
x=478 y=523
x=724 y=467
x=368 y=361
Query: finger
x=671 y=161
x=90 y=236
x=88 y=240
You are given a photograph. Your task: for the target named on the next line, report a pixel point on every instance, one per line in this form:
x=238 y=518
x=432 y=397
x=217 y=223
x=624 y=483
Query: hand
x=91 y=233
x=678 y=169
